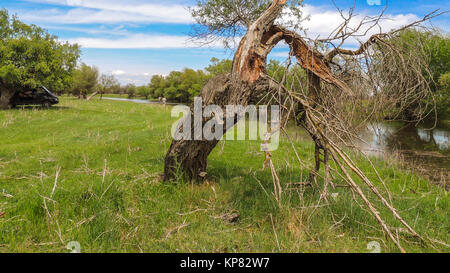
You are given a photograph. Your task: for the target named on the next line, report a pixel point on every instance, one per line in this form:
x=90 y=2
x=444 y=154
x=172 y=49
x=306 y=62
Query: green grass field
x=89 y=172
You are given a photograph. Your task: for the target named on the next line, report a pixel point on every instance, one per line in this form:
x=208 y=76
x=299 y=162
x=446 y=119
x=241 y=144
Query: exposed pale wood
x=91 y=96
x=250 y=57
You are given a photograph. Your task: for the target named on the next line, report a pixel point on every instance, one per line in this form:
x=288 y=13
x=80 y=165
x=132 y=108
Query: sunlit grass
x=108 y=157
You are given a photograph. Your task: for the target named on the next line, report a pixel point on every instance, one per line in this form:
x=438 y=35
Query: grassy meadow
x=89 y=171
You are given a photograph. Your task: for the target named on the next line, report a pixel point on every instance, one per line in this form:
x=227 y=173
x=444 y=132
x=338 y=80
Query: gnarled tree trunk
x=189 y=157
x=246 y=82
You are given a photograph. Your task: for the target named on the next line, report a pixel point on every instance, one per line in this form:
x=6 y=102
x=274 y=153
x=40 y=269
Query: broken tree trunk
x=246 y=82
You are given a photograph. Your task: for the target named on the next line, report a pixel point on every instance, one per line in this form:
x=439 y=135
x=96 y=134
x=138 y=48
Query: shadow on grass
x=251 y=188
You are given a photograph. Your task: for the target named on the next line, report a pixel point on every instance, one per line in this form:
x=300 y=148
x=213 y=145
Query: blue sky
x=134 y=39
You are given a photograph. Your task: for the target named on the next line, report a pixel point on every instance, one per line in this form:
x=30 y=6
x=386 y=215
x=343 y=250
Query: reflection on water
x=136 y=100
x=399 y=136
x=422 y=147
x=437 y=137
x=130 y=100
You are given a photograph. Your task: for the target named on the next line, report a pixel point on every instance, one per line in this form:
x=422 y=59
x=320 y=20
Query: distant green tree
x=122 y=89
x=85 y=80
x=180 y=86
x=108 y=84
x=443 y=96
x=172 y=90
x=156 y=86
x=131 y=91
x=218 y=67
x=192 y=82
x=143 y=91
x=437 y=55
x=31 y=57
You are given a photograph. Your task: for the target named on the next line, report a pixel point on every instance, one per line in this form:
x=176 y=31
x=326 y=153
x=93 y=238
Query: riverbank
x=89 y=172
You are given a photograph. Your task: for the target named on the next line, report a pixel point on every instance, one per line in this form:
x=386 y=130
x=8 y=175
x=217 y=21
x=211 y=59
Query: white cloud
x=139 y=41
x=101 y=11
x=118 y=72
x=91 y=30
x=136 y=77
x=282 y=54
x=322 y=22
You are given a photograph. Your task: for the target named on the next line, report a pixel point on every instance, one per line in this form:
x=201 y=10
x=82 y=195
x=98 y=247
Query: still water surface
x=422 y=147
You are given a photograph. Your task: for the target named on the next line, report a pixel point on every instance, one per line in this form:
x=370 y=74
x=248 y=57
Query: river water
x=137 y=100
x=424 y=147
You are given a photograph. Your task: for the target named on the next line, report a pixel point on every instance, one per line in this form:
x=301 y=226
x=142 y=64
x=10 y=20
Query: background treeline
x=183 y=86
x=178 y=86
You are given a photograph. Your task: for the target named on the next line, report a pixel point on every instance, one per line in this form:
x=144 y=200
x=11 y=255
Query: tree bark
x=188 y=158
x=5 y=98
x=92 y=95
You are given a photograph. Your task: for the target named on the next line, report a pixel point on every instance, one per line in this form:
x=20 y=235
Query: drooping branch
x=310 y=59
x=340 y=51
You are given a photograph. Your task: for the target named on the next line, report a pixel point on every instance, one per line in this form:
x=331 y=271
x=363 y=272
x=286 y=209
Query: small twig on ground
x=176 y=229
x=58 y=170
